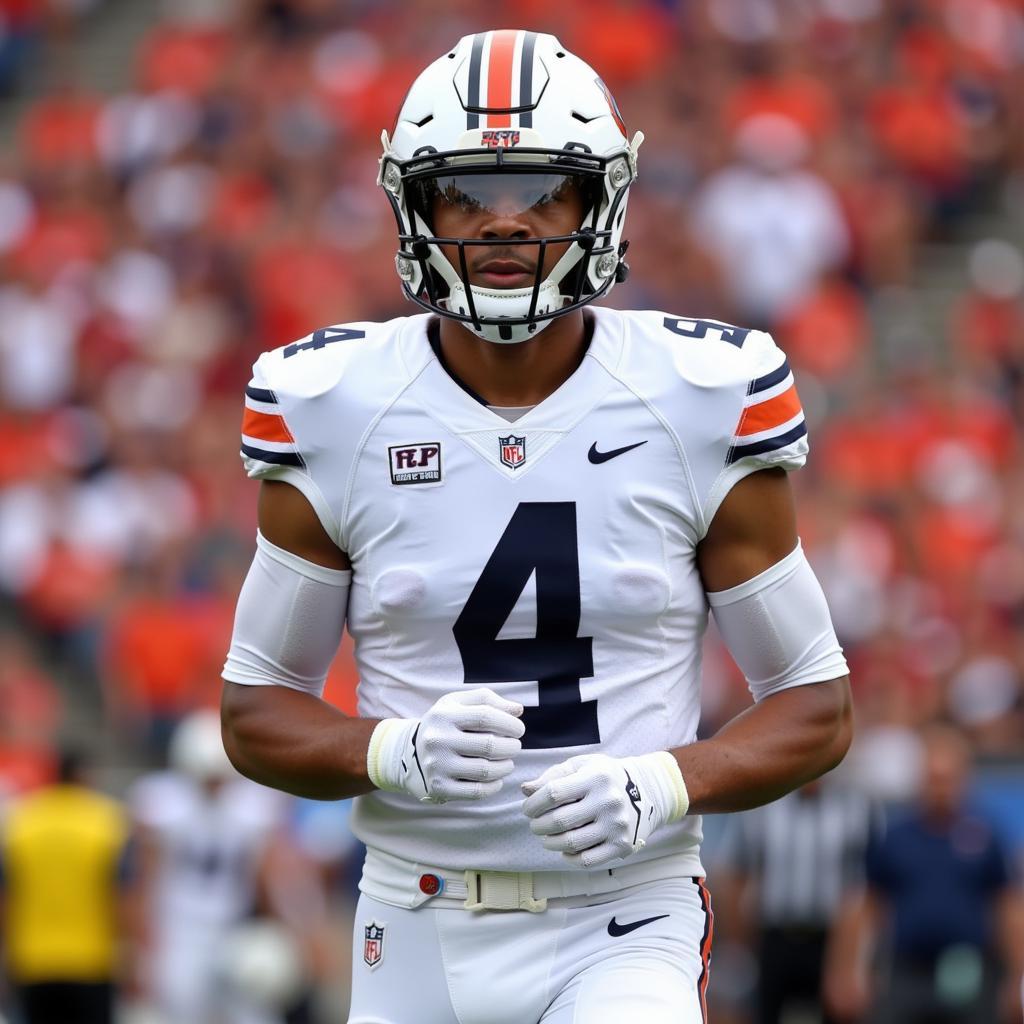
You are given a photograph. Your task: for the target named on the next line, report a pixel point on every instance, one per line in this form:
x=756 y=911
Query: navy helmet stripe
x=769 y=380
x=473 y=101
x=526 y=79
x=260 y=395
x=769 y=444
x=276 y=458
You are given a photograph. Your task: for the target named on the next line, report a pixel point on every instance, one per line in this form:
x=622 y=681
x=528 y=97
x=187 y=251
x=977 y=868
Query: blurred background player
x=938 y=884
x=66 y=900
x=231 y=907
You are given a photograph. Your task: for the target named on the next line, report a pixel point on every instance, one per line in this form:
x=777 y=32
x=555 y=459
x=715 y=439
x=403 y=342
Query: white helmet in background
x=197 y=749
x=509 y=102
x=262 y=964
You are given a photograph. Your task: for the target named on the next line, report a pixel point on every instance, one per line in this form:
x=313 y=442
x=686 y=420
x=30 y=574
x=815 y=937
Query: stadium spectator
x=773 y=225
x=31 y=709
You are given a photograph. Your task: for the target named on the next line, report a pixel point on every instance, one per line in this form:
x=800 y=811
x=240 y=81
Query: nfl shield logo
x=373 y=944
x=513 y=451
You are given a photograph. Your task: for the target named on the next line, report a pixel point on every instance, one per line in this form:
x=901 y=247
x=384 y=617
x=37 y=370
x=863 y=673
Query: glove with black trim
x=594 y=809
x=461 y=749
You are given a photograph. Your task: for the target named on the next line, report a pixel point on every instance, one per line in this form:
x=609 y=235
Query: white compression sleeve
x=288 y=622
x=778 y=628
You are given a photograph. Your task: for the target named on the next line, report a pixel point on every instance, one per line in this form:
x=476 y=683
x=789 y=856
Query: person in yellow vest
x=63 y=874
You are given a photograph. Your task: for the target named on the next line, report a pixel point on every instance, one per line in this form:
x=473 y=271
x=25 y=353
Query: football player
x=523 y=505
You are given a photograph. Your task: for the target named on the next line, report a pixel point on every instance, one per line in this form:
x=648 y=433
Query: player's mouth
x=497 y=273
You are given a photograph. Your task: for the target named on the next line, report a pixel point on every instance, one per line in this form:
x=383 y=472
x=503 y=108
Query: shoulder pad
x=726 y=391
x=309 y=402
x=316 y=363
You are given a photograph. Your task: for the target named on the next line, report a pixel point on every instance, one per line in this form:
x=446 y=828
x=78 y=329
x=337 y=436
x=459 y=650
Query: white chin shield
x=490 y=303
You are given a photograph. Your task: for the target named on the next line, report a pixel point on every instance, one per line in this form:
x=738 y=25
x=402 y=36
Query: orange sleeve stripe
x=265 y=427
x=773 y=413
x=499 y=77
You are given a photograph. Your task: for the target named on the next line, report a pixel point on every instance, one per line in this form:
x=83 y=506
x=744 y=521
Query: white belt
x=404 y=883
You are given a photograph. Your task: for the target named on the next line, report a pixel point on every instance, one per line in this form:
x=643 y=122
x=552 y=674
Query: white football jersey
x=551 y=559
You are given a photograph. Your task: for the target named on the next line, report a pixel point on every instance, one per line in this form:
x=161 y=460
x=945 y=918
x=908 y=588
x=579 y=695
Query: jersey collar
x=463 y=409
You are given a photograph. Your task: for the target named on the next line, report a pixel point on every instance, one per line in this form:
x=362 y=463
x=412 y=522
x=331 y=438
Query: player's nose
x=507 y=223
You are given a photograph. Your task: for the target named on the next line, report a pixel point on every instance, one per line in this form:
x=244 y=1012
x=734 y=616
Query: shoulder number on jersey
x=540 y=538
x=325 y=336
x=733 y=335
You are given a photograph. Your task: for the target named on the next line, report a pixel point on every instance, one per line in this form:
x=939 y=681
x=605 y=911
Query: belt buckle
x=502 y=890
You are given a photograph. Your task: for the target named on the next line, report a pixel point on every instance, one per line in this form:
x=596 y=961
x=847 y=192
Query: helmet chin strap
x=512 y=303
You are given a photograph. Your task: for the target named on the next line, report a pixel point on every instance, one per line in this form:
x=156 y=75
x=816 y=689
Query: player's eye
x=465 y=202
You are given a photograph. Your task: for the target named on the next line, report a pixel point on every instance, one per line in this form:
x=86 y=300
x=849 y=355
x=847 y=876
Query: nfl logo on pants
x=373 y=944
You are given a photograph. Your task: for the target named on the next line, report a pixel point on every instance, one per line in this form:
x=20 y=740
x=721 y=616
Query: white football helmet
x=508 y=112
x=197 y=750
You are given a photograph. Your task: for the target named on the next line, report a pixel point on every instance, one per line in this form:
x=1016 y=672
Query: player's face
x=507 y=206
x=945 y=775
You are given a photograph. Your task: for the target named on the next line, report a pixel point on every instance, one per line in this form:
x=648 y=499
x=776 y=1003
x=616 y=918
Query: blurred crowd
x=801 y=157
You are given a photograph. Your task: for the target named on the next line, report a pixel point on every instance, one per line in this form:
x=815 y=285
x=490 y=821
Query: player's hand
x=460 y=749
x=594 y=809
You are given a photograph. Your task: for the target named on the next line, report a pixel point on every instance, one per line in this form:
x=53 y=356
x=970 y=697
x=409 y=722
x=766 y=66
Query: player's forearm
x=775 y=746
x=295 y=742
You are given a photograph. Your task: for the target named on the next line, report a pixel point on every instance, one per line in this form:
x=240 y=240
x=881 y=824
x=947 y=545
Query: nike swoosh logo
x=615 y=929
x=597 y=457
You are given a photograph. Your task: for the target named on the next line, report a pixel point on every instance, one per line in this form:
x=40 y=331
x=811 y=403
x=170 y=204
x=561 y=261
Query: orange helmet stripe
x=499 y=77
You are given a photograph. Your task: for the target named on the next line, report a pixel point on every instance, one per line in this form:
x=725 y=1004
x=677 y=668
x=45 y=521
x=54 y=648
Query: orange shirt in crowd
x=300 y=284
x=60 y=130
x=188 y=60
x=989 y=328
x=921 y=130
x=802 y=99
x=827 y=333
x=32 y=709
x=157 y=655
x=71 y=587
x=60 y=237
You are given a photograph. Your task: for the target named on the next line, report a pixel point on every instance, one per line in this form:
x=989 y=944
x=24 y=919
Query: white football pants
x=641 y=955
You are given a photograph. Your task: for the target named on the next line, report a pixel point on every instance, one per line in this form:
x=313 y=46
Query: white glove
x=594 y=809
x=460 y=749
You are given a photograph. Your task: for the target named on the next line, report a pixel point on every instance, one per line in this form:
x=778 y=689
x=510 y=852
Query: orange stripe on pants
x=705 y=949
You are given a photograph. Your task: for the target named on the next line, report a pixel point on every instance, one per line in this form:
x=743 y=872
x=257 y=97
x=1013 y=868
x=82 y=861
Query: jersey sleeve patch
x=772 y=416
x=266 y=438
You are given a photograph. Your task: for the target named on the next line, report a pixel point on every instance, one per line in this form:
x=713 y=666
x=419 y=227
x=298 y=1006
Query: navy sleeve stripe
x=276 y=458
x=769 y=380
x=260 y=395
x=769 y=444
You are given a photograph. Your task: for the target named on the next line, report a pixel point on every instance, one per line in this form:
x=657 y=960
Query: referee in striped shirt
x=787 y=866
